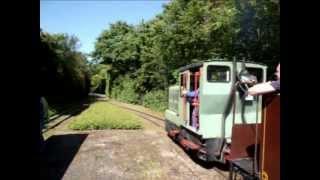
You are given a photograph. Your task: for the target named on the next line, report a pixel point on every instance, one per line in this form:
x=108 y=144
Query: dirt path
x=119 y=154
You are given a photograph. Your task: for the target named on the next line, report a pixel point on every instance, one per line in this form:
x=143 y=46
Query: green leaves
x=64 y=71
x=148 y=54
x=259 y=35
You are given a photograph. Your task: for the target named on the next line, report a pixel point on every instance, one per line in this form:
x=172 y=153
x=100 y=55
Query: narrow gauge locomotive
x=221 y=102
x=221 y=123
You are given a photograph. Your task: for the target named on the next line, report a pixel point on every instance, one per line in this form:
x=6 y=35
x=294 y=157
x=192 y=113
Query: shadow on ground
x=64 y=108
x=58 y=153
x=208 y=165
x=80 y=105
x=76 y=109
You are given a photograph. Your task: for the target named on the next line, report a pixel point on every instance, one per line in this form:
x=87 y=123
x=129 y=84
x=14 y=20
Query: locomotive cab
x=204 y=123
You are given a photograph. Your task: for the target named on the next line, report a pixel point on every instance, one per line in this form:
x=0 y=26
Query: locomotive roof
x=199 y=64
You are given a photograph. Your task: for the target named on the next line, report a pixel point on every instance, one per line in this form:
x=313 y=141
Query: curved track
x=149 y=117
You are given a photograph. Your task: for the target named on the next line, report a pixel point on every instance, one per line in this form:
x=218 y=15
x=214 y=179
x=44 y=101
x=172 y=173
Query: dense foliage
x=143 y=59
x=137 y=64
x=64 y=73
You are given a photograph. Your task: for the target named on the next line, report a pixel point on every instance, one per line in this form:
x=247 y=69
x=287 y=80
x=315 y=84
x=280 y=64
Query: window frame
x=219 y=81
x=259 y=69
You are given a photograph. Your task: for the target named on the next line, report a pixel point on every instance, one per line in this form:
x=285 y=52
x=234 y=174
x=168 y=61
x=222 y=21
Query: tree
x=259 y=31
x=149 y=54
x=64 y=71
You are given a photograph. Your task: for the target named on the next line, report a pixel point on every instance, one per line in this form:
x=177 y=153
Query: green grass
x=51 y=112
x=103 y=115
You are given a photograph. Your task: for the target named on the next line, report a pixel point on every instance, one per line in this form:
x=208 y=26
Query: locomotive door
x=185 y=85
x=194 y=77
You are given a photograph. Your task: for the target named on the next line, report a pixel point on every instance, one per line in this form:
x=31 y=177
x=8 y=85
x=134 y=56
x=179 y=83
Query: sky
x=87 y=19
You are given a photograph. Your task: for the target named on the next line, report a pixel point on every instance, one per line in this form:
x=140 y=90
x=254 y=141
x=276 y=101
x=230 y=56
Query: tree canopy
x=139 y=62
x=64 y=71
x=149 y=53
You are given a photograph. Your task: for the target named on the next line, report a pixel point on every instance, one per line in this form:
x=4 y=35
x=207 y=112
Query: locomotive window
x=183 y=84
x=258 y=72
x=218 y=74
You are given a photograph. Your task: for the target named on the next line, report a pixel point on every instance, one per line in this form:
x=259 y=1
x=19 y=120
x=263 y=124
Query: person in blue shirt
x=193 y=97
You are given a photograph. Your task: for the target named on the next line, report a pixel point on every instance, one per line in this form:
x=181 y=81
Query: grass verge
x=102 y=115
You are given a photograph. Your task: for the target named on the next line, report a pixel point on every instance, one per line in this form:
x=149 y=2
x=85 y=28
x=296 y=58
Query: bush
x=124 y=90
x=103 y=115
x=156 y=100
x=64 y=70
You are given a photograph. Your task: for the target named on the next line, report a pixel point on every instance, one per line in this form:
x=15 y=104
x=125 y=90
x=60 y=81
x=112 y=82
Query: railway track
x=60 y=119
x=160 y=122
x=57 y=119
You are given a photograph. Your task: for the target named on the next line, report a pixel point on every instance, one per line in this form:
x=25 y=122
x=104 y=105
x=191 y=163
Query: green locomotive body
x=220 y=105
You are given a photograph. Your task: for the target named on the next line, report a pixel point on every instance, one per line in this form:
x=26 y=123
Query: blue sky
x=87 y=19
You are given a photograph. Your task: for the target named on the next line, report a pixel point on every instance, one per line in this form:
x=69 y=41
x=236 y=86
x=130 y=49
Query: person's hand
x=245 y=81
x=184 y=92
x=252 y=82
x=249 y=81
